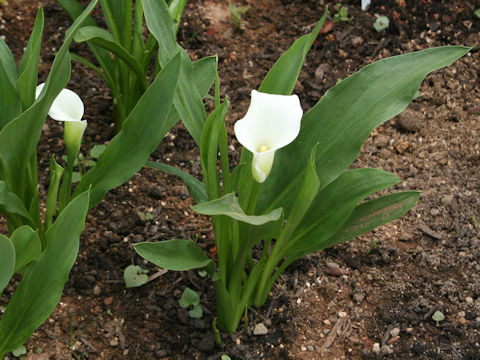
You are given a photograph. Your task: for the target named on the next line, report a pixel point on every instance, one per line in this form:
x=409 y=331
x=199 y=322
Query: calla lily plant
x=292 y=192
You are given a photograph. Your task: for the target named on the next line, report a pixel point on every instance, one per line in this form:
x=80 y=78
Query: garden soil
x=371 y=298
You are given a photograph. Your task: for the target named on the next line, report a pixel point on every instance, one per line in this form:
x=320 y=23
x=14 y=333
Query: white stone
x=260 y=329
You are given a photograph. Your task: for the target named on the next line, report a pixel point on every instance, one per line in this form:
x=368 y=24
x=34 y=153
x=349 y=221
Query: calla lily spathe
x=271 y=122
x=68 y=107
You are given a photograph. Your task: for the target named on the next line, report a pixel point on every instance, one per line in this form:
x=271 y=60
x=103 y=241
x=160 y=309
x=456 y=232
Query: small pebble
x=461 y=314
x=386 y=350
x=376 y=348
x=114 y=342
x=332 y=265
x=342 y=314
x=434 y=212
x=395 y=332
x=310 y=348
x=260 y=329
x=327 y=322
x=303 y=348
x=97 y=290
x=108 y=300
x=469 y=300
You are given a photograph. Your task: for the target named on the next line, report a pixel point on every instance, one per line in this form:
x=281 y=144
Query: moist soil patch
x=371 y=298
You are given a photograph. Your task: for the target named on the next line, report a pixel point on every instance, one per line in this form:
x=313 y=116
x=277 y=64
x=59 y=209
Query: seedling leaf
x=189 y=298
x=135 y=276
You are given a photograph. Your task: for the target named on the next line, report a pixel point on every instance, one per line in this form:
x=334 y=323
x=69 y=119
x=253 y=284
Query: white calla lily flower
x=271 y=122
x=68 y=107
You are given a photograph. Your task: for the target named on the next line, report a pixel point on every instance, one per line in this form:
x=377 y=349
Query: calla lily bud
x=68 y=107
x=271 y=122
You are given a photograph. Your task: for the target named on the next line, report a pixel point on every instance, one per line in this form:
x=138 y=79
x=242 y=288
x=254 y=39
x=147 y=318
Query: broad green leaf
x=371 y=214
x=19 y=138
x=284 y=73
x=28 y=68
x=305 y=196
x=204 y=73
x=118 y=15
x=477 y=13
x=11 y=203
x=105 y=40
x=344 y=118
x=228 y=205
x=41 y=287
x=134 y=276
x=27 y=246
x=176 y=8
x=140 y=135
x=10 y=103
x=177 y=255
x=196 y=188
x=7 y=62
x=188 y=101
x=333 y=205
x=7 y=262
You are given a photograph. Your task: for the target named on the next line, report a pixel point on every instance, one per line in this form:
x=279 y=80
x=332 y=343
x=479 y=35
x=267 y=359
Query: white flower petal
x=67 y=106
x=365 y=4
x=271 y=122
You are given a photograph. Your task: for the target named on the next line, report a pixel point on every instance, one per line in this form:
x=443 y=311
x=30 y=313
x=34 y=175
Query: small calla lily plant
x=293 y=192
x=272 y=122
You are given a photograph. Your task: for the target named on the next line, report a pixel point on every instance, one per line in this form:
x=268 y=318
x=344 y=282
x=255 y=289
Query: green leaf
x=381 y=23
x=344 y=118
x=188 y=101
x=371 y=214
x=177 y=255
x=189 y=298
x=306 y=195
x=196 y=188
x=41 y=287
x=18 y=352
x=97 y=150
x=105 y=40
x=7 y=62
x=28 y=246
x=176 y=8
x=333 y=205
x=284 y=73
x=10 y=104
x=204 y=73
x=211 y=136
x=118 y=16
x=74 y=10
x=140 y=135
x=228 y=205
x=11 y=203
x=196 y=312
x=7 y=262
x=28 y=68
x=134 y=276
x=477 y=12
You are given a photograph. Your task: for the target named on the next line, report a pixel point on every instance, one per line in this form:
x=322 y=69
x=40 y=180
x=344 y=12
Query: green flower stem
x=66 y=188
x=56 y=172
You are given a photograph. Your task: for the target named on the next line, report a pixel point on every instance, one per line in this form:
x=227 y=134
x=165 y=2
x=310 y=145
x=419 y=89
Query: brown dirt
x=391 y=280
